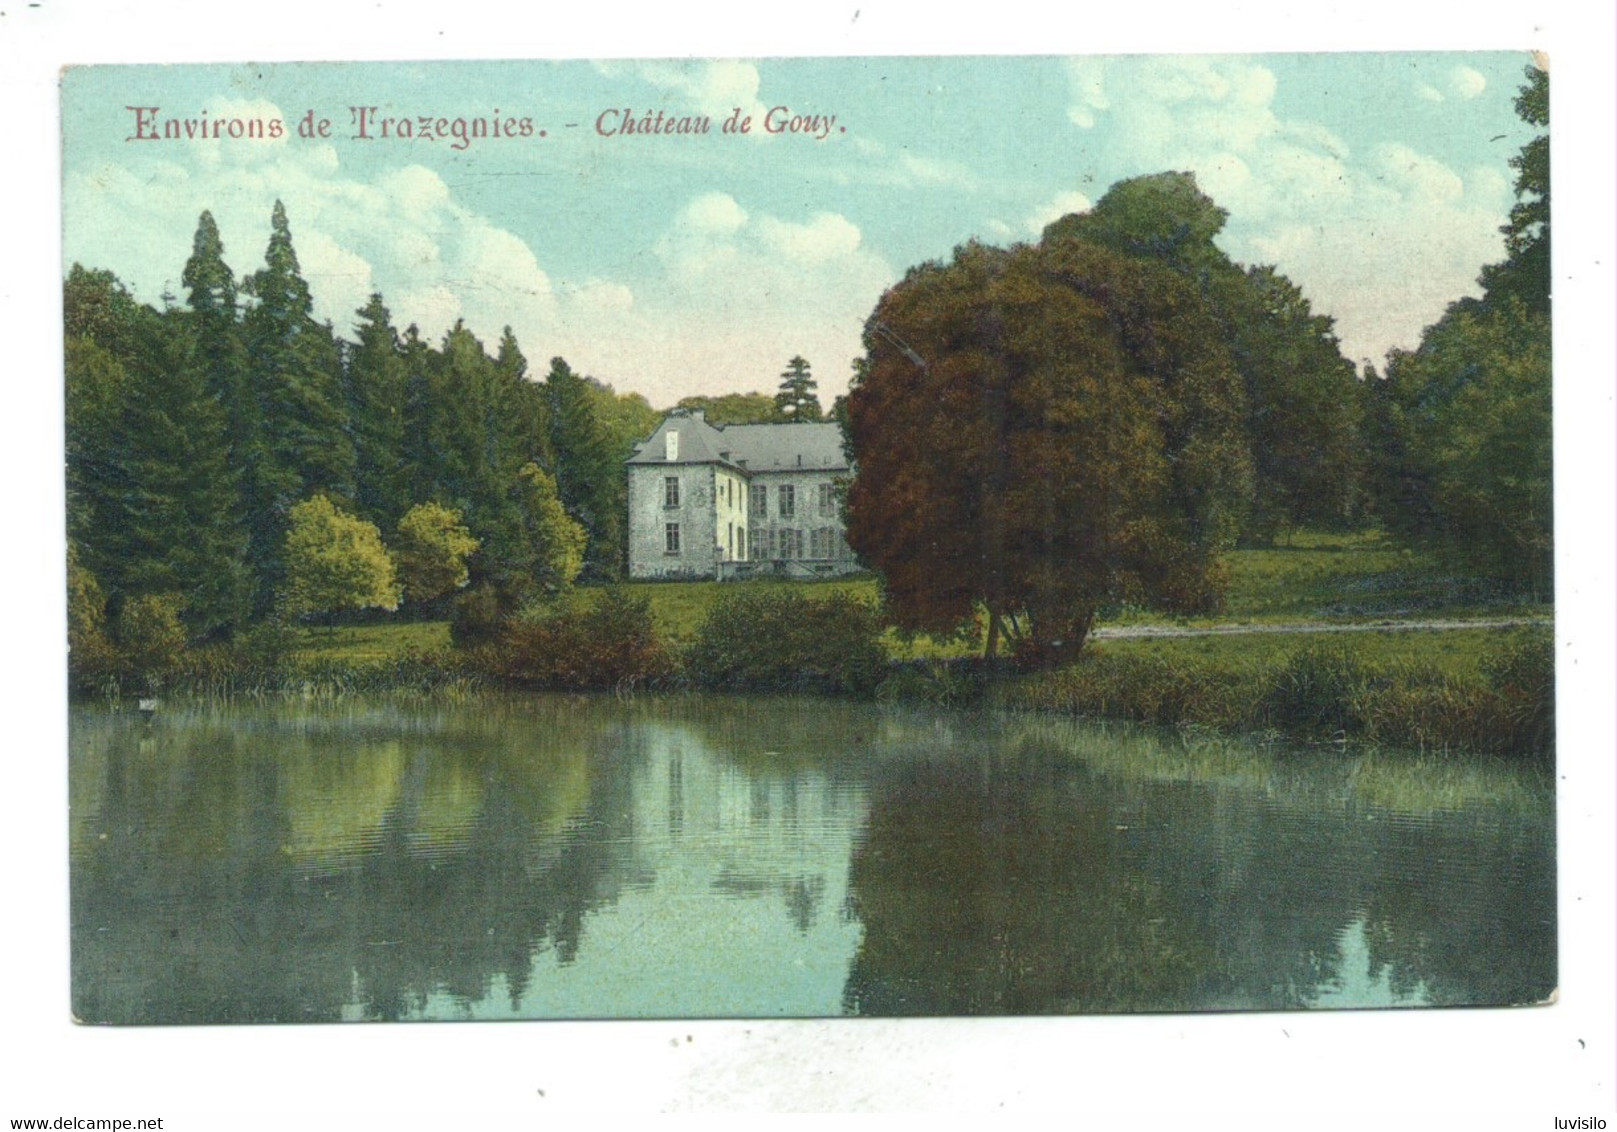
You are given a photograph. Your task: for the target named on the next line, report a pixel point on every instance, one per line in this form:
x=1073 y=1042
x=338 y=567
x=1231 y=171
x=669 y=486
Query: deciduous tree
x=1464 y=421
x=430 y=552
x=1301 y=397
x=1042 y=432
x=555 y=544
x=335 y=562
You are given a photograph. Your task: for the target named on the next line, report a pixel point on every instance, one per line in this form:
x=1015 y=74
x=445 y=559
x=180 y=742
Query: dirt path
x=1126 y=632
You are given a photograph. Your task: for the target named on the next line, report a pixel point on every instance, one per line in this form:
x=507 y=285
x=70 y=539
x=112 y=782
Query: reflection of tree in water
x=286 y=868
x=166 y=932
x=1458 y=908
x=1469 y=920
x=801 y=894
x=233 y=930
x=1004 y=893
x=1008 y=894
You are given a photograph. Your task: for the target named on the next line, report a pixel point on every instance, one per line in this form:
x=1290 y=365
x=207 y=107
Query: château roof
x=750 y=448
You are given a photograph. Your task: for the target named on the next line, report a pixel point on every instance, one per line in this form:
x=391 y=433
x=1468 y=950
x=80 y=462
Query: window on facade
x=828 y=502
x=671 y=538
x=671 y=491
x=788 y=501
x=760 y=501
x=741 y=543
x=791 y=544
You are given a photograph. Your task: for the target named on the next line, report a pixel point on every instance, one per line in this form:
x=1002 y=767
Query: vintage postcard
x=809 y=537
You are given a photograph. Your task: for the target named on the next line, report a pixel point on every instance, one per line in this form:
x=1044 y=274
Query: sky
x=672 y=265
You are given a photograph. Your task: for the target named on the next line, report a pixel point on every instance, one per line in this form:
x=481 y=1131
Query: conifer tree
x=171 y=529
x=420 y=460
x=797 y=402
x=588 y=470
x=374 y=391
x=301 y=447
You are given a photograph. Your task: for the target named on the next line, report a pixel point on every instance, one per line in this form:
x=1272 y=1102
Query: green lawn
x=1363 y=576
x=373 y=642
x=680 y=607
x=1453 y=652
x=1360 y=577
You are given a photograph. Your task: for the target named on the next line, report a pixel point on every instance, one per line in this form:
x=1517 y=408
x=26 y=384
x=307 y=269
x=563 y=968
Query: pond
x=572 y=857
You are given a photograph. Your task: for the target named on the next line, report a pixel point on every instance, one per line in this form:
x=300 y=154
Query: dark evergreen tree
x=459 y=428
x=520 y=423
x=797 y=402
x=516 y=437
x=420 y=461
x=374 y=391
x=589 y=473
x=301 y=447
x=170 y=527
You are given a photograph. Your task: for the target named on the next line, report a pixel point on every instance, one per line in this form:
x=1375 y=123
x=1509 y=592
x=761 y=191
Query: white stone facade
x=710 y=502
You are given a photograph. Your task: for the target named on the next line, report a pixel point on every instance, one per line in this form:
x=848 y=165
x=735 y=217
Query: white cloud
x=825 y=238
x=715 y=88
x=916 y=168
x=599 y=297
x=1087 y=79
x=730 y=289
x=1466 y=83
x=1054 y=209
x=716 y=213
x=1381 y=240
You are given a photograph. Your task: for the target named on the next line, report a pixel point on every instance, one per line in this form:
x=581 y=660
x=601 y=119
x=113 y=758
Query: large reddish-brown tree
x=1041 y=432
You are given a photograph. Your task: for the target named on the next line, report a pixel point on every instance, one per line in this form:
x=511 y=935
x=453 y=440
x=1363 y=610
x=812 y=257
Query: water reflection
x=584 y=858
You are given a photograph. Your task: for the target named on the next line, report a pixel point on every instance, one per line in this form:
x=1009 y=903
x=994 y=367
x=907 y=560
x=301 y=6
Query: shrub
x=1147 y=689
x=150 y=640
x=611 y=643
x=783 y=639
x=1523 y=676
x=91 y=658
x=480 y=615
x=1319 y=690
x=931 y=682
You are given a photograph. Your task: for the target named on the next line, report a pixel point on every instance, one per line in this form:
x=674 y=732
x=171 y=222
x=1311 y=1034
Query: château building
x=710 y=501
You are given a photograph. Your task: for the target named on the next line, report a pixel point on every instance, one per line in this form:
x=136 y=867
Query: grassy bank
x=1324 y=577
x=1484 y=691
x=1435 y=691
